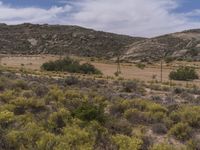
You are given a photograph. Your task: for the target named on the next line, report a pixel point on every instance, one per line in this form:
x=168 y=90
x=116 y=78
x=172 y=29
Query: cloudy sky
x=132 y=17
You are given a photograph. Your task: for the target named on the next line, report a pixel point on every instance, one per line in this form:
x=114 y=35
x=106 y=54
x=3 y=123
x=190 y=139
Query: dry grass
x=129 y=71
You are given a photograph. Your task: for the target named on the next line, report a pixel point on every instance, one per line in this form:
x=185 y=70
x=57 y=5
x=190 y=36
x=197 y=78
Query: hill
x=74 y=40
x=182 y=45
x=61 y=39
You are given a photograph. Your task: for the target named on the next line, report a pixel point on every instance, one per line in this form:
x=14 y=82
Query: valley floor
x=150 y=73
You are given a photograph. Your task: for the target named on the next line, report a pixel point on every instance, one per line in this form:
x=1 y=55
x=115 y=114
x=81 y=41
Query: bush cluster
x=70 y=65
x=184 y=73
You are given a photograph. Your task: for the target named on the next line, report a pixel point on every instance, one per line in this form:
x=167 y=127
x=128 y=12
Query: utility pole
x=118 y=66
x=161 y=71
x=118 y=72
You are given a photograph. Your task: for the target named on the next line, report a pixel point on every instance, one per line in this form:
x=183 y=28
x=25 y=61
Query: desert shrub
x=70 y=65
x=55 y=95
x=193 y=144
x=118 y=108
x=28 y=94
x=159 y=128
x=136 y=117
x=120 y=126
x=20 y=84
x=184 y=73
x=157 y=116
x=57 y=120
x=163 y=146
x=130 y=86
x=76 y=138
x=25 y=138
x=191 y=115
x=40 y=90
x=178 y=90
x=7 y=96
x=127 y=143
x=88 y=68
x=6 y=117
x=181 y=131
x=175 y=117
x=140 y=65
x=187 y=114
x=22 y=104
x=89 y=112
x=71 y=80
x=47 y=141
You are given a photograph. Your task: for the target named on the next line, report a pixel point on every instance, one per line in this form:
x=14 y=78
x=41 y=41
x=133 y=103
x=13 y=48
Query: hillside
x=182 y=45
x=57 y=39
x=63 y=39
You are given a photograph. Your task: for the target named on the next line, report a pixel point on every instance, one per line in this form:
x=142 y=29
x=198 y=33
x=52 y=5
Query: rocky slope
x=74 y=40
x=183 y=45
x=57 y=39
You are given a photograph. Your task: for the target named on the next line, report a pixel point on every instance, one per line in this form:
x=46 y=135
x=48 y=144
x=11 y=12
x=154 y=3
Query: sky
x=146 y=18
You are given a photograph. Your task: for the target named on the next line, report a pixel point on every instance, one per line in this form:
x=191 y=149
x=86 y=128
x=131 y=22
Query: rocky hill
x=74 y=40
x=57 y=39
x=183 y=46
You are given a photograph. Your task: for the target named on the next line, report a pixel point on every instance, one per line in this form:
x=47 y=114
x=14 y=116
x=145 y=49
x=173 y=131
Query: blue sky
x=133 y=17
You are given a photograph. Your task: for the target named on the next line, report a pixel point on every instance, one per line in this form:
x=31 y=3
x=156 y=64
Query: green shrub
x=181 y=131
x=193 y=144
x=127 y=143
x=70 y=65
x=184 y=74
x=55 y=95
x=189 y=114
x=6 y=117
x=58 y=120
x=89 y=112
x=136 y=117
x=75 y=138
x=140 y=65
x=87 y=68
x=121 y=126
x=7 y=96
x=163 y=146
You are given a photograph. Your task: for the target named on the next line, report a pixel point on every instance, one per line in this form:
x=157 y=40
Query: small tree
x=184 y=73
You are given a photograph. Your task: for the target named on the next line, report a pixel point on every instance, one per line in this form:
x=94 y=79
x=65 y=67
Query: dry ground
x=129 y=71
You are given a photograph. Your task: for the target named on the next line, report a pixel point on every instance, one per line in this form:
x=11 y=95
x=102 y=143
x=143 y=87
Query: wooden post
x=161 y=71
x=118 y=66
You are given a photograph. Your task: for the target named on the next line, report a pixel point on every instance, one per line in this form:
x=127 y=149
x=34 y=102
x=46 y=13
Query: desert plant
x=89 y=112
x=159 y=128
x=127 y=143
x=70 y=65
x=163 y=146
x=140 y=65
x=181 y=131
x=184 y=73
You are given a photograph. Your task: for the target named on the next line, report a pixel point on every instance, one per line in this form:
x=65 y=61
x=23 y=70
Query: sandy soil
x=129 y=71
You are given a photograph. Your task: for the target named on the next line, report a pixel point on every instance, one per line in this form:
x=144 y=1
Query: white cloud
x=12 y=15
x=133 y=17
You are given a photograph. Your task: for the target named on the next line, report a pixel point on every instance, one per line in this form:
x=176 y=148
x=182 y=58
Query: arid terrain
x=151 y=72
x=60 y=89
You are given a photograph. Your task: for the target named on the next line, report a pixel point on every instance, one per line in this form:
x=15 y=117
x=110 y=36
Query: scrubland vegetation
x=70 y=65
x=184 y=73
x=43 y=113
